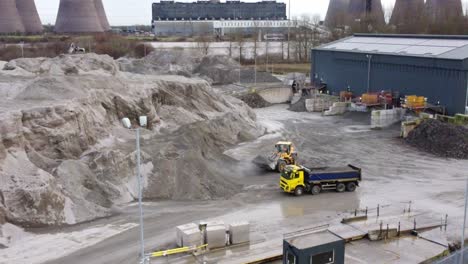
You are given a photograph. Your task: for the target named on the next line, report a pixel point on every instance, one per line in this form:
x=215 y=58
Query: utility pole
x=464 y=223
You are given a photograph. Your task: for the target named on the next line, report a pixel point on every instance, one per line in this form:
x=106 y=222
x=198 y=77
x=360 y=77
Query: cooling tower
x=29 y=16
x=366 y=9
x=406 y=12
x=10 y=21
x=443 y=10
x=102 y=15
x=337 y=13
x=77 y=16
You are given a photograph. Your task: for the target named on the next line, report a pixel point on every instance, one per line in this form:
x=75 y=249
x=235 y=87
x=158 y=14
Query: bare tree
x=204 y=43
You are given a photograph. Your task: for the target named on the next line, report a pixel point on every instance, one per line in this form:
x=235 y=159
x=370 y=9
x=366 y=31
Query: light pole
x=289 y=25
x=369 y=57
x=464 y=223
x=143 y=123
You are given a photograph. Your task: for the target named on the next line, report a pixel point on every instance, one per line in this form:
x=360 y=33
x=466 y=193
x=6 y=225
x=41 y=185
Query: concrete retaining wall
x=385 y=118
x=276 y=95
x=318 y=104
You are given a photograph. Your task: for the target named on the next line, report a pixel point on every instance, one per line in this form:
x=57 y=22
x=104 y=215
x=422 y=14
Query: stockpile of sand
x=254 y=100
x=65 y=157
x=439 y=138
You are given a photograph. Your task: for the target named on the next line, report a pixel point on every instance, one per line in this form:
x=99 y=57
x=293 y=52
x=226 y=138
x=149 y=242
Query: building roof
x=431 y=46
x=313 y=239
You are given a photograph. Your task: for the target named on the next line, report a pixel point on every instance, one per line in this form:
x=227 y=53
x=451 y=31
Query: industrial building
x=426 y=65
x=19 y=16
x=216 y=10
x=221 y=18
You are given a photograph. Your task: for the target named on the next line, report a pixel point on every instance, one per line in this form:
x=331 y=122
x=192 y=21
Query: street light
x=143 y=120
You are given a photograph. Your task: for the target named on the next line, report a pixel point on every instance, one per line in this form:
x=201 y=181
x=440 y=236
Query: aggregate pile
x=217 y=69
x=65 y=157
x=254 y=100
x=440 y=138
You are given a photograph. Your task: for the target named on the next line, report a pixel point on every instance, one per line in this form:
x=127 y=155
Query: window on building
x=323 y=258
x=290 y=258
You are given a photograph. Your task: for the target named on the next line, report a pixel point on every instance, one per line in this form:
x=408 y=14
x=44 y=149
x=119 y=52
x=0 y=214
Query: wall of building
x=182 y=28
x=437 y=79
x=234 y=10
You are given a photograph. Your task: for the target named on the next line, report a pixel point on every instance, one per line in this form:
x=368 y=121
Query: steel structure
x=78 y=16
x=10 y=20
x=30 y=18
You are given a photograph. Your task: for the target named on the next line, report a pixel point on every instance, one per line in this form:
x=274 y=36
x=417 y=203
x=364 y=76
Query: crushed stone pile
x=217 y=69
x=440 y=138
x=299 y=106
x=248 y=76
x=220 y=69
x=65 y=157
x=254 y=100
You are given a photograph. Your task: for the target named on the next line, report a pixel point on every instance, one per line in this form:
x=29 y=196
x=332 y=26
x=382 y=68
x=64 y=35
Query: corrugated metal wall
x=437 y=79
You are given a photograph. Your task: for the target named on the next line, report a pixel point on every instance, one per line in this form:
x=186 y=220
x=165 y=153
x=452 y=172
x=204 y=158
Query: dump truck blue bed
x=332 y=174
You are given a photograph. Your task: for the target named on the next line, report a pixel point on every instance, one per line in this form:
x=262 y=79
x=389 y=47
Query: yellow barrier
x=168 y=252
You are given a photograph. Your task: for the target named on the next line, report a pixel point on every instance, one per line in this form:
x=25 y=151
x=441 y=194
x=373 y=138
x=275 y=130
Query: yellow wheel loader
x=284 y=154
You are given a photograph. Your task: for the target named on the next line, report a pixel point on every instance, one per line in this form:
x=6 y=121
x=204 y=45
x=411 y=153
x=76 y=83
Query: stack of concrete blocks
x=357 y=108
x=239 y=233
x=215 y=234
x=337 y=108
x=318 y=104
x=188 y=235
x=386 y=118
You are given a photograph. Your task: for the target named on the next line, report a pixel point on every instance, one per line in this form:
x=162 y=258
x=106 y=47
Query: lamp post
x=369 y=57
x=462 y=251
x=143 y=123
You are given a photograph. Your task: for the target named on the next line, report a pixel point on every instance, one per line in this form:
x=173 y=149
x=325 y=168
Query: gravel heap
x=254 y=100
x=441 y=139
x=299 y=106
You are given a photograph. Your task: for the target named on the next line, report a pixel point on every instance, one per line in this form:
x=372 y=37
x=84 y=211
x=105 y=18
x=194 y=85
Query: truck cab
x=298 y=179
x=292 y=177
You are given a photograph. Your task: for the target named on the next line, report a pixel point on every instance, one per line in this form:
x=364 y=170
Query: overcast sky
x=130 y=12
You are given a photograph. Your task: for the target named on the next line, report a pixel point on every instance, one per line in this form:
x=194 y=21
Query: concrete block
x=180 y=229
x=216 y=236
x=239 y=232
x=191 y=237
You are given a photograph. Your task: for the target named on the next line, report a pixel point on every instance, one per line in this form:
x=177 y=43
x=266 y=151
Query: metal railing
x=455 y=258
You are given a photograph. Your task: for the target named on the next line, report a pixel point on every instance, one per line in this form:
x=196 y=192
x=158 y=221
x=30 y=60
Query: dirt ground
x=393 y=174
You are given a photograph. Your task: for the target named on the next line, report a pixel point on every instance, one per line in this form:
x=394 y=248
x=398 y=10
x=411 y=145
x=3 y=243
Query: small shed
x=314 y=248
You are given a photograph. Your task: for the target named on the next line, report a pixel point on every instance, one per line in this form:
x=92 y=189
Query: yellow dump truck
x=299 y=179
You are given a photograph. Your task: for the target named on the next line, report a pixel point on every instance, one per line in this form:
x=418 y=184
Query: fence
x=455 y=258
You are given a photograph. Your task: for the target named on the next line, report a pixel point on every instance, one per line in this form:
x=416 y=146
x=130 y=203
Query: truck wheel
x=299 y=191
x=351 y=186
x=316 y=189
x=340 y=187
x=281 y=165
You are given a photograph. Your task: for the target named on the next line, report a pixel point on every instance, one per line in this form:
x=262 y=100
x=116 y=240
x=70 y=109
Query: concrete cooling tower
x=443 y=10
x=337 y=13
x=78 y=16
x=102 y=15
x=406 y=12
x=10 y=21
x=362 y=9
x=29 y=16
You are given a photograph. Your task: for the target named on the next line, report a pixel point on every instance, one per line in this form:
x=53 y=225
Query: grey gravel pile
x=441 y=139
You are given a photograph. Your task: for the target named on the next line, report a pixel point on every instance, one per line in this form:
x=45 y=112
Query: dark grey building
x=426 y=65
x=215 y=10
x=316 y=248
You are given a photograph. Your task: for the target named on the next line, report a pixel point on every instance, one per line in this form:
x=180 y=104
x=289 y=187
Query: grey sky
x=130 y=12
